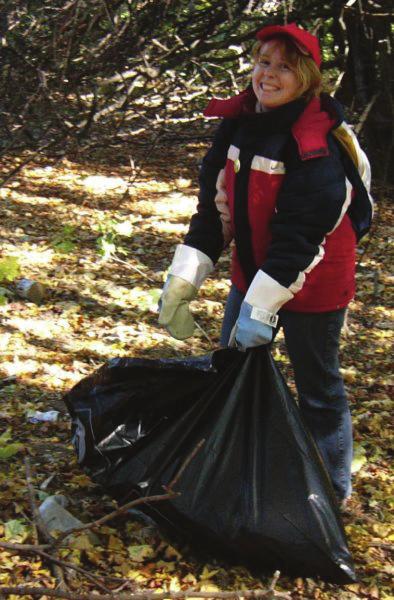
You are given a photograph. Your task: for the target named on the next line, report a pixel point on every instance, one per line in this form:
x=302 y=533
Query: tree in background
x=105 y=71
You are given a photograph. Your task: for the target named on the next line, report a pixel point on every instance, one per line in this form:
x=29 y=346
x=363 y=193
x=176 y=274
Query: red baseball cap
x=303 y=39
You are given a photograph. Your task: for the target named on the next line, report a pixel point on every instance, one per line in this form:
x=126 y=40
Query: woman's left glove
x=257 y=316
x=174 y=309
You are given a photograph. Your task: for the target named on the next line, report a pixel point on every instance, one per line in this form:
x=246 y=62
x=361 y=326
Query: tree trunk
x=369 y=79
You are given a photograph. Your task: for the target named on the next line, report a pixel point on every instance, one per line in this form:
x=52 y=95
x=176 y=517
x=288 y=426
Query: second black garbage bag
x=256 y=491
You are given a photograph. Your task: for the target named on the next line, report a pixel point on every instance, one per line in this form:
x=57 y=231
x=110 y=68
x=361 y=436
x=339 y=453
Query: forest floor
x=99 y=235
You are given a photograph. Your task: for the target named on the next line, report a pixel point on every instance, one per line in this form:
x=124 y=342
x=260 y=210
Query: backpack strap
x=358 y=172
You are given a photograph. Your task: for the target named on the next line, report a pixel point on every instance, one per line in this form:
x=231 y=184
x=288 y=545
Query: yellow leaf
x=190 y=579
x=171 y=553
x=174 y=585
x=141 y=552
x=359 y=458
x=209 y=587
x=81 y=542
x=114 y=543
x=95 y=556
x=166 y=566
x=207 y=574
x=123 y=569
x=374 y=592
x=135 y=575
x=82 y=481
x=382 y=530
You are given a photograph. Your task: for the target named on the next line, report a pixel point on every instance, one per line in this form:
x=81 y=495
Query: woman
x=292 y=187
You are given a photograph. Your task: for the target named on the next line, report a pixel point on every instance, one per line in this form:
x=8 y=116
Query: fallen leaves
x=7 y=447
x=95 y=310
x=140 y=553
x=16 y=530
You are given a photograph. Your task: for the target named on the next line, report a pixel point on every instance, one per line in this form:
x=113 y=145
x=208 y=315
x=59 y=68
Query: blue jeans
x=312 y=341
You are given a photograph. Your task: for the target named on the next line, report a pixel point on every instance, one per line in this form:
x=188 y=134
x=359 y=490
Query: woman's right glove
x=188 y=270
x=174 y=309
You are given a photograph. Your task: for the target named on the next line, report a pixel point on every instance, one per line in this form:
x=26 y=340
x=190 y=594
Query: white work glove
x=174 y=307
x=188 y=270
x=257 y=317
x=249 y=330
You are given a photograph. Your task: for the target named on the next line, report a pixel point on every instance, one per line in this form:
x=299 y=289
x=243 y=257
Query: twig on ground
x=274 y=580
x=37 y=518
x=116 y=513
x=24 y=590
x=30 y=549
x=385 y=546
x=185 y=464
x=136 y=502
x=204 y=333
x=129 y=266
x=28 y=160
x=40 y=525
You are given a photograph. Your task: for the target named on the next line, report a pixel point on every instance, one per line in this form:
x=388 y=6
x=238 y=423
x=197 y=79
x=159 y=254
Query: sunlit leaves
x=9 y=268
x=81 y=542
x=98 y=309
x=141 y=552
x=16 y=530
x=108 y=241
x=64 y=241
x=7 y=447
x=359 y=458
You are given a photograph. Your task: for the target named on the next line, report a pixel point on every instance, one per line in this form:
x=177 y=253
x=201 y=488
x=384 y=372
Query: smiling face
x=274 y=79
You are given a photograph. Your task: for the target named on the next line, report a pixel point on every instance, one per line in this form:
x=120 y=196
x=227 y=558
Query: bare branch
x=148 y=595
x=136 y=502
x=37 y=550
x=365 y=114
x=42 y=528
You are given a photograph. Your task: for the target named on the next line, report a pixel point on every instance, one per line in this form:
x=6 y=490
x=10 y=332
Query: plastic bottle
x=57 y=518
x=31 y=290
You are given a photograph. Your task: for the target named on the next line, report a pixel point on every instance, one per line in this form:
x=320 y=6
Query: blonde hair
x=305 y=68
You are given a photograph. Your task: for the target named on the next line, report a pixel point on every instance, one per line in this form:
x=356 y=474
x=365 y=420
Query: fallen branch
x=365 y=114
x=184 y=465
x=385 y=546
x=204 y=333
x=132 y=268
x=23 y=590
x=274 y=581
x=37 y=518
x=31 y=549
x=136 y=502
x=22 y=165
x=116 y=513
x=27 y=548
x=39 y=550
x=41 y=527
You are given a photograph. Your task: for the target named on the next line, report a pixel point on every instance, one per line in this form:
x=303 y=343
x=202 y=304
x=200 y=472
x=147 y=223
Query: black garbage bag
x=256 y=492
